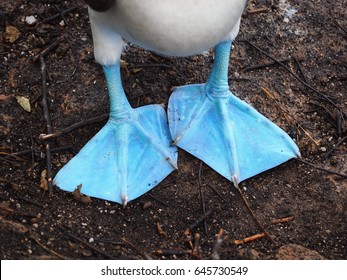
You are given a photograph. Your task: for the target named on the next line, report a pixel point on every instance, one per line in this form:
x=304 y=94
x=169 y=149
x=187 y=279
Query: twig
x=60 y=14
x=31 y=201
x=109 y=241
x=249 y=239
x=334 y=19
x=260 y=66
x=321 y=168
x=336 y=120
x=12 y=155
x=91 y=246
x=257 y=10
x=169 y=252
x=48 y=121
x=32 y=145
x=53 y=150
x=47 y=249
x=157 y=199
x=14 y=226
x=215 y=251
x=220 y=196
x=198 y=221
x=47 y=50
x=136 y=249
x=282 y=220
x=300 y=70
x=336 y=145
x=292 y=74
x=10 y=161
x=161 y=231
x=45 y=137
x=203 y=205
x=287 y=115
x=196 y=249
x=16 y=212
x=244 y=199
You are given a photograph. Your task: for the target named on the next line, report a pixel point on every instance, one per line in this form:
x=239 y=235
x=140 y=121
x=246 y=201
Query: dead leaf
x=24 y=103
x=12 y=33
x=80 y=196
x=44 y=182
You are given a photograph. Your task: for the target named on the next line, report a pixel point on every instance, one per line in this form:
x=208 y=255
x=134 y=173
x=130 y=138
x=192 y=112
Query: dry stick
x=293 y=75
x=258 y=10
x=60 y=14
x=12 y=155
x=333 y=18
x=336 y=145
x=198 y=221
x=288 y=116
x=31 y=201
x=136 y=249
x=334 y=120
x=48 y=121
x=47 y=50
x=300 y=70
x=283 y=220
x=10 y=161
x=322 y=169
x=196 y=248
x=170 y=252
x=157 y=199
x=29 y=151
x=91 y=246
x=203 y=205
x=244 y=199
x=32 y=145
x=249 y=239
x=260 y=66
x=109 y=241
x=16 y=212
x=47 y=249
x=45 y=137
x=215 y=251
x=220 y=196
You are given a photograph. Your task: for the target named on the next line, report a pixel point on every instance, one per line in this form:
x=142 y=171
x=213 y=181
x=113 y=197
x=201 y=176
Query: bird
x=138 y=147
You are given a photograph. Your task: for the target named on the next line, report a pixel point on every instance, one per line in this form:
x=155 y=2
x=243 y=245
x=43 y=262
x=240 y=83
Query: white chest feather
x=171 y=27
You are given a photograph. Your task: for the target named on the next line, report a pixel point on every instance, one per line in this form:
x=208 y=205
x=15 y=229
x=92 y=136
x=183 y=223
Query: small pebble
x=30 y=20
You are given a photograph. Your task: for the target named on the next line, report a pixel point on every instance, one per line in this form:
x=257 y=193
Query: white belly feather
x=170 y=27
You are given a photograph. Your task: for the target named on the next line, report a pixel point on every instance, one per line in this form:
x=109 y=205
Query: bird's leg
x=211 y=123
x=218 y=79
x=129 y=156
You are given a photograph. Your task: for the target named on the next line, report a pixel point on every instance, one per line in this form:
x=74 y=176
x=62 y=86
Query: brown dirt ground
x=36 y=225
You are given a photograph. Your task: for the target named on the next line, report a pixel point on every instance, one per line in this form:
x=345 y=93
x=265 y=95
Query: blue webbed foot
x=230 y=136
x=128 y=157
